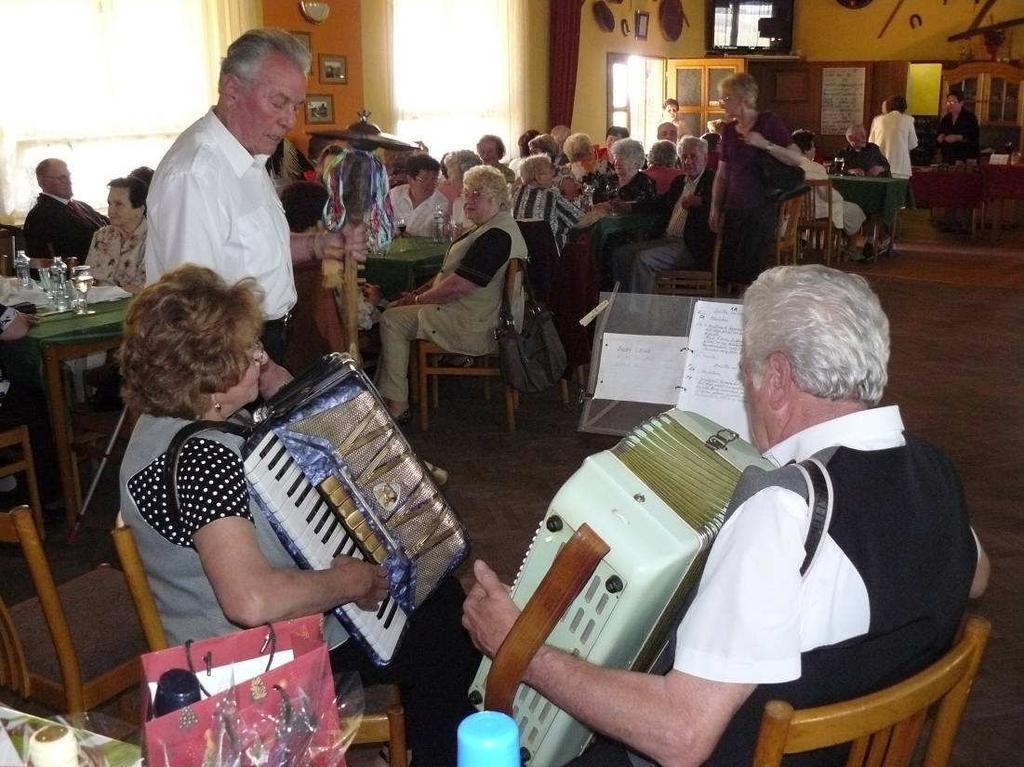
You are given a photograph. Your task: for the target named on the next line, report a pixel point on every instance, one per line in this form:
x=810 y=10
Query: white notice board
x=842 y=99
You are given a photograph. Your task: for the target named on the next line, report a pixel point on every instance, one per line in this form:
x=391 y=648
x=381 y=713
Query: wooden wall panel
x=792 y=89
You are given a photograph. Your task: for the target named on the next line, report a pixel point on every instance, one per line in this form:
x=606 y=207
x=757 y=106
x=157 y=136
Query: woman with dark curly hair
x=191 y=351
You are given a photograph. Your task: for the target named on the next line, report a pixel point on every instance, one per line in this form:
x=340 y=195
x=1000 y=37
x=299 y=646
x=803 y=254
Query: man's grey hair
x=829 y=324
x=247 y=52
x=630 y=150
x=662 y=153
x=546 y=144
x=692 y=142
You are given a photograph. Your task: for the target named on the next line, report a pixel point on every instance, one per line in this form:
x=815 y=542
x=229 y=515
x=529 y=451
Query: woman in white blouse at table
x=116 y=253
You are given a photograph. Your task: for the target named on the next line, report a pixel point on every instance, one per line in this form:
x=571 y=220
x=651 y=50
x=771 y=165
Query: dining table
x=878 y=196
x=35 y=361
x=408 y=263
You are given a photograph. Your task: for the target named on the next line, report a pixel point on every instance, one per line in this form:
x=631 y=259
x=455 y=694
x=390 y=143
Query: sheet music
x=711 y=379
x=638 y=368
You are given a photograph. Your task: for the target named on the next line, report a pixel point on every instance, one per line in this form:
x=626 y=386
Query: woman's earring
x=216 y=405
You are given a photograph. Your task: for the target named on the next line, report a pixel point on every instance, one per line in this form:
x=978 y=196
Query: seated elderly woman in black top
x=192 y=351
x=633 y=186
x=457 y=309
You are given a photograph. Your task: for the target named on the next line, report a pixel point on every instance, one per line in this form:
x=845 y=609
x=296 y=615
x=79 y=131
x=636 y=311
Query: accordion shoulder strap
x=810 y=480
x=173 y=455
x=570 y=572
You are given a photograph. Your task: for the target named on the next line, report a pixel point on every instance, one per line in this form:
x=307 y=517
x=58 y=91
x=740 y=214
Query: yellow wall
x=590 y=113
x=825 y=31
x=338 y=35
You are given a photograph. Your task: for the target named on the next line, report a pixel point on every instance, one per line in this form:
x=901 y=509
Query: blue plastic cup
x=488 y=739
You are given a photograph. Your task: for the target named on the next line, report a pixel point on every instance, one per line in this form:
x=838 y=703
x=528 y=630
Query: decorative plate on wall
x=670 y=17
x=604 y=17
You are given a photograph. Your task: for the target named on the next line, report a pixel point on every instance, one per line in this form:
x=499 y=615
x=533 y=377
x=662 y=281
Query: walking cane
x=73 y=533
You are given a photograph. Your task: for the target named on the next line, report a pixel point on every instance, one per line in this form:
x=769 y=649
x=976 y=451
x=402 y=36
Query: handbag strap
x=505 y=319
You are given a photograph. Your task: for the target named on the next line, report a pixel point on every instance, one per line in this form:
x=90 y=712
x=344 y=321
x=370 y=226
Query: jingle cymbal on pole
x=363 y=134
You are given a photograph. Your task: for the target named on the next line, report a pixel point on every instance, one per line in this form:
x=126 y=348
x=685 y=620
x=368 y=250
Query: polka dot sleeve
x=211 y=486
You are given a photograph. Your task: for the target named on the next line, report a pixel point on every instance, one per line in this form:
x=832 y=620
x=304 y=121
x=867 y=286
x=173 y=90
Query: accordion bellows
x=335 y=475
x=658 y=499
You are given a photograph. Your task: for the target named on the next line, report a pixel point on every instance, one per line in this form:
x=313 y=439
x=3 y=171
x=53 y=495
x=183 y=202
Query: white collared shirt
x=212 y=203
x=754 y=615
x=419 y=220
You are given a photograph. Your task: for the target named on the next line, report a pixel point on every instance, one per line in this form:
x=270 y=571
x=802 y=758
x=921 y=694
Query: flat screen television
x=747 y=27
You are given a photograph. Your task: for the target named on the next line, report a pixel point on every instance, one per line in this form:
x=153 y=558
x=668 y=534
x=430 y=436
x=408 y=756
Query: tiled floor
x=956 y=310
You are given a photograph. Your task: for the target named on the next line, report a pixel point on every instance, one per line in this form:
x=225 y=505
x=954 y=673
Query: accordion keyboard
x=317 y=529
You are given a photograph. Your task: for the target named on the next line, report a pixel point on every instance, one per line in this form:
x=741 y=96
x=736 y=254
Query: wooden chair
x=818 y=232
x=429 y=364
x=80 y=642
x=787 y=242
x=884 y=727
x=18 y=438
x=379 y=726
x=681 y=282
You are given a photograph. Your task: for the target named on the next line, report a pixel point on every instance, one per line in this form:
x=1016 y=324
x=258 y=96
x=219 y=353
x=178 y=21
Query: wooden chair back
x=817 y=230
x=427 y=365
x=787 y=241
x=18 y=527
x=883 y=727
x=138 y=585
x=683 y=282
x=14 y=673
x=18 y=438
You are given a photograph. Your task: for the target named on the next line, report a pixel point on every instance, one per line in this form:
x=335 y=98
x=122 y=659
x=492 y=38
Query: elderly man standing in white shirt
x=212 y=202
x=893 y=131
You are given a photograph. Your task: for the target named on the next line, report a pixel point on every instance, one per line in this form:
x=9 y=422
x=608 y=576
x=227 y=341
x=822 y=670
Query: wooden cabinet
x=694 y=84
x=992 y=90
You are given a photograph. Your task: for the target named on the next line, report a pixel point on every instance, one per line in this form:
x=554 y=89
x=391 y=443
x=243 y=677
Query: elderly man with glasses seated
x=457 y=309
x=416 y=202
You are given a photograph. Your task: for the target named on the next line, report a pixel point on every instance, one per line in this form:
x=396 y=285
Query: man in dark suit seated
x=860 y=157
x=687 y=241
x=58 y=225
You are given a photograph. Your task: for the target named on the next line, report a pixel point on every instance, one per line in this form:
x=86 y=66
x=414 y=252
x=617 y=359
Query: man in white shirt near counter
x=881 y=600
x=212 y=201
x=894 y=132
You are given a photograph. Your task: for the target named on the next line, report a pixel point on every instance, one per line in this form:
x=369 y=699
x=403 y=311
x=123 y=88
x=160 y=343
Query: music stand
x=635 y=314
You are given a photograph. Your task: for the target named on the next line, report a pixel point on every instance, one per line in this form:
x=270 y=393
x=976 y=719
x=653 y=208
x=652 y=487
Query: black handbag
x=533 y=359
x=781 y=182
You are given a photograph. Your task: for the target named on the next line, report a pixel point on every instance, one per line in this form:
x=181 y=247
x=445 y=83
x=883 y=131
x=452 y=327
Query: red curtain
x=563 y=49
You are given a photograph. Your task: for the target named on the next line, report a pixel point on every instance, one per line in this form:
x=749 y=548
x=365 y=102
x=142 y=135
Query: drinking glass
x=82 y=280
x=46 y=282
x=400 y=226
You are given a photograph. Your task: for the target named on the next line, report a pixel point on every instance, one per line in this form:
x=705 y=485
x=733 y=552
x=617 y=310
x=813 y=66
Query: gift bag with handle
x=267 y=694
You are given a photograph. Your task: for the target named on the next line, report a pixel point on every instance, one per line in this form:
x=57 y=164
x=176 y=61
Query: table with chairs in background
x=35 y=361
x=980 y=189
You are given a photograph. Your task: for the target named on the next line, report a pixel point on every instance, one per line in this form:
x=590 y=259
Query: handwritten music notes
x=641 y=368
x=711 y=377
x=842 y=99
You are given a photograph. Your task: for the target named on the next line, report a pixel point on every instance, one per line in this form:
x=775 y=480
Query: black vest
x=901 y=519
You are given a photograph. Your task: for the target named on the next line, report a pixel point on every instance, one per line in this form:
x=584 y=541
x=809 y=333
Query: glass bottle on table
x=22 y=268
x=59 y=284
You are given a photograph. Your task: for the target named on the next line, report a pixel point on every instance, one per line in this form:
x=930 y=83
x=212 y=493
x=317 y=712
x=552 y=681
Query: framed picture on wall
x=319 y=109
x=333 y=70
x=640 y=24
x=304 y=38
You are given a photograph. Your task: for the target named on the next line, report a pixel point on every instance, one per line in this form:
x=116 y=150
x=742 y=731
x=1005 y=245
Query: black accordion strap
x=173 y=455
x=819 y=486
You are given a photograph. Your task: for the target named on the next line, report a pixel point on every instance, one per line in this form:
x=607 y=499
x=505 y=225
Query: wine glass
x=400 y=226
x=82 y=281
